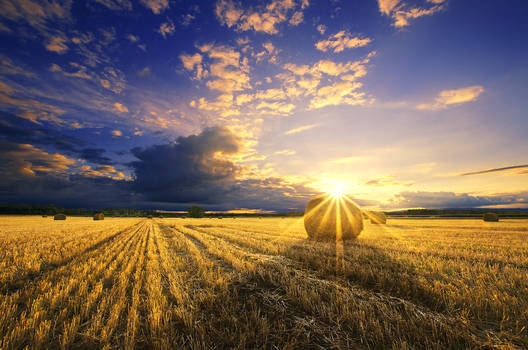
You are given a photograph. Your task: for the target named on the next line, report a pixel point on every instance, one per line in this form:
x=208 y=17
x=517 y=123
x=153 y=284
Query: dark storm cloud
x=524 y=166
x=433 y=200
x=29 y=174
x=188 y=171
x=95 y=155
x=21 y=130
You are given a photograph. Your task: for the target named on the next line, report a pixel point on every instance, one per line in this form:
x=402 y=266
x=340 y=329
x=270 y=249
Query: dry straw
x=377 y=217
x=330 y=217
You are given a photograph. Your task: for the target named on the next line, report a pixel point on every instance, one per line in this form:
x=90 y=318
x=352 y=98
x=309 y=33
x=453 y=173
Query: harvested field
x=258 y=283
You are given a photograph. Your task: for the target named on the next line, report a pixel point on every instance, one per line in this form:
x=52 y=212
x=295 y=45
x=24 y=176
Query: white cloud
x=447 y=98
x=117 y=133
x=321 y=28
x=340 y=41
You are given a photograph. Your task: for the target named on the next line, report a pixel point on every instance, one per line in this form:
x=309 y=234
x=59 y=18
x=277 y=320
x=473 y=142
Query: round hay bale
x=322 y=214
x=98 y=216
x=44 y=216
x=149 y=217
x=59 y=217
x=377 y=217
x=219 y=218
x=491 y=217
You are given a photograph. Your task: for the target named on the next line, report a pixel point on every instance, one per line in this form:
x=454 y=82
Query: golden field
x=258 y=283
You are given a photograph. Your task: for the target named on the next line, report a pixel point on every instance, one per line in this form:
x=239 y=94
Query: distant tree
x=196 y=212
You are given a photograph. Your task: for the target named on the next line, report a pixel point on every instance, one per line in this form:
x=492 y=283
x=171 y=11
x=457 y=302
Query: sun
x=335 y=188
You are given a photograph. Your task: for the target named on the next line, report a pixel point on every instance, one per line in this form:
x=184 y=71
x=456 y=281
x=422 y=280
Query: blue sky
x=260 y=105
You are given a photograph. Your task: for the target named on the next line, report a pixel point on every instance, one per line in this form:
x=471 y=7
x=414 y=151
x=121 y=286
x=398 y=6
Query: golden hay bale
x=322 y=215
x=219 y=218
x=98 y=216
x=44 y=216
x=149 y=217
x=492 y=217
x=59 y=217
x=377 y=217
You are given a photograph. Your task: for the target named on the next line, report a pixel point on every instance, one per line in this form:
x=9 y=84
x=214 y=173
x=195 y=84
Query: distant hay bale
x=149 y=217
x=323 y=220
x=377 y=217
x=98 y=216
x=59 y=217
x=491 y=217
x=161 y=216
x=44 y=216
x=219 y=218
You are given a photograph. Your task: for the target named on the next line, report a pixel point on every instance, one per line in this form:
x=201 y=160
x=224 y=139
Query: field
x=258 y=283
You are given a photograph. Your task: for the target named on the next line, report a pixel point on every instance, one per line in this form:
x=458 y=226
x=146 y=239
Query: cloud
x=35 y=13
x=196 y=169
x=341 y=41
x=388 y=180
x=321 y=28
x=167 y=29
x=263 y=19
x=285 y=152
x=116 y=5
x=57 y=44
x=26 y=160
x=8 y=67
x=401 y=12
x=189 y=169
x=193 y=63
x=117 y=133
x=447 y=98
x=132 y=38
x=301 y=129
x=435 y=200
x=145 y=72
x=342 y=92
x=157 y=6
x=120 y=108
x=94 y=155
x=495 y=170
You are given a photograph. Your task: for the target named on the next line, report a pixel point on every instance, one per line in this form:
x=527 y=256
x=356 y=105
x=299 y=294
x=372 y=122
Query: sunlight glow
x=334 y=187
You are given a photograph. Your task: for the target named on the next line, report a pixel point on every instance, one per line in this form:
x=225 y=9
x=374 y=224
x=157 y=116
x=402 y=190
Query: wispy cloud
x=401 y=12
x=301 y=129
x=496 y=170
x=340 y=41
x=448 y=98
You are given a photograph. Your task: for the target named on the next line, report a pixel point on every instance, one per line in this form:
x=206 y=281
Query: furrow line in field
x=373 y=317
x=59 y=294
x=30 y=277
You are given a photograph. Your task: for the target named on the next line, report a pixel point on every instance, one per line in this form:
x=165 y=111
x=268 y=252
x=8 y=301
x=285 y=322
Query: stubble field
x=258 y=283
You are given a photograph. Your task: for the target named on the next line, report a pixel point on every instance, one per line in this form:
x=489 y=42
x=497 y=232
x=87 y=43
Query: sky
x=260 y=105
